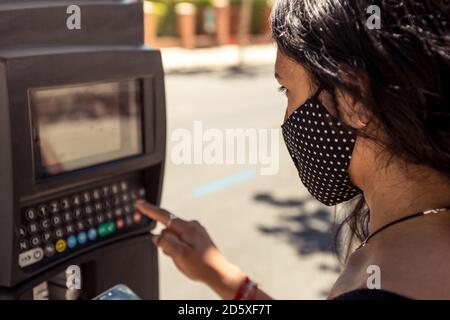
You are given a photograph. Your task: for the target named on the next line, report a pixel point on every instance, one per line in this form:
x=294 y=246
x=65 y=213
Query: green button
x=106 y=228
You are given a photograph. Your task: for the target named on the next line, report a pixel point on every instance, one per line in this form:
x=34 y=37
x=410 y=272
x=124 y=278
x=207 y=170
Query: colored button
x=92 y=234
x=106 y=228
x=137 y=217
x=72 y=242
x=82 y=237
x=120 y=224
x=111 y=227
x=60 y=245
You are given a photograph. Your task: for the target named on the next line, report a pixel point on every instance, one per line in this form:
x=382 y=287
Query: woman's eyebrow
x=277 y=76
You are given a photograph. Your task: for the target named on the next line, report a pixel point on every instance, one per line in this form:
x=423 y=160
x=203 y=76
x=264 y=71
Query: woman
x=368 y=120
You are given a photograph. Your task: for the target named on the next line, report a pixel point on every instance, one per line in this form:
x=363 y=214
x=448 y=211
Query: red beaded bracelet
x=240 y=291
x=247 y=290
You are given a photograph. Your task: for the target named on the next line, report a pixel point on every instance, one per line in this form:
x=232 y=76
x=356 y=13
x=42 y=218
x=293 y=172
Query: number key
x=43 y=211
x=65 y=204
x=30 y=214
x=76 y=200
x=54 y=207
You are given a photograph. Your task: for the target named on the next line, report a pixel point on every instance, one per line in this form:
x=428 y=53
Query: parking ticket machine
x=82 y=137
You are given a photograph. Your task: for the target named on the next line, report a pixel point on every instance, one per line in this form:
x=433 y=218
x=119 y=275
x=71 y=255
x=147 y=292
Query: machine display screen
x=85 y=125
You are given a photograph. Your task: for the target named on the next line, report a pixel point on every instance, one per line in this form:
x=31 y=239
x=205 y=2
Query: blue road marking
x=223 y=183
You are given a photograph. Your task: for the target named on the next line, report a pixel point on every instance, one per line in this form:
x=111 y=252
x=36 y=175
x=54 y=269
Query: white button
x=30 y=257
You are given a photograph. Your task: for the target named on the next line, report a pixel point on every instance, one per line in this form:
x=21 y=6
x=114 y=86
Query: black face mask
x=321 y=147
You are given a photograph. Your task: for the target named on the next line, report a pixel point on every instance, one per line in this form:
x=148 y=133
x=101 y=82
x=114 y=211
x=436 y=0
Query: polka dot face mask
x=321 y=147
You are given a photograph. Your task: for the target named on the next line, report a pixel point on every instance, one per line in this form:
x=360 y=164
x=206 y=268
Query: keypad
x=76 y=220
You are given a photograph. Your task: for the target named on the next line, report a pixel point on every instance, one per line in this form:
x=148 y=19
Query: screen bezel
x=64 y=66
x=39 y=174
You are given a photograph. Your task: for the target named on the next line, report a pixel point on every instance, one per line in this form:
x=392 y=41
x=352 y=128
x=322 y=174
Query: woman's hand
x=193 y=251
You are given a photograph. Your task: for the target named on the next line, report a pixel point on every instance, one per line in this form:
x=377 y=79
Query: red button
x=120 y=224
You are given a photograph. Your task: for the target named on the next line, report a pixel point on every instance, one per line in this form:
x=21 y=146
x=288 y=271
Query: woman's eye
x=282 y=89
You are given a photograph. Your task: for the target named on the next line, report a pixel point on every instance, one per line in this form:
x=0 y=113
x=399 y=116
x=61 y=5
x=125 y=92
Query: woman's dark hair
x=404 y=68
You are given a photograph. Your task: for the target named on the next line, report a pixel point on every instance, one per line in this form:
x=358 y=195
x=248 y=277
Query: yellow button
x=60 y=245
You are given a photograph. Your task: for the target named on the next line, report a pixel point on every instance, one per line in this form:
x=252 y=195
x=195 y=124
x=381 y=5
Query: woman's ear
x=353 y=112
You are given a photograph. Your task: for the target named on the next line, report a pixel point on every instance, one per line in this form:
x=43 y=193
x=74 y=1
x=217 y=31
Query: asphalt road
x=267 y=224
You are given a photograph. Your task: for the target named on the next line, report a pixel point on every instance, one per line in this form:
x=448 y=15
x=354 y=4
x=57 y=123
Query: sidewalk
x=179 y=60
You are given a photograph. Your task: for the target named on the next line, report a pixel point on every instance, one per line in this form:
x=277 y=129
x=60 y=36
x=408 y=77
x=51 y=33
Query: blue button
x=82 y=237
x=72 y=242
x=92 y=234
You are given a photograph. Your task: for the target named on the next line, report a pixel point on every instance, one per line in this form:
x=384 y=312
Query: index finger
x=153 y=212
x=160 y=215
